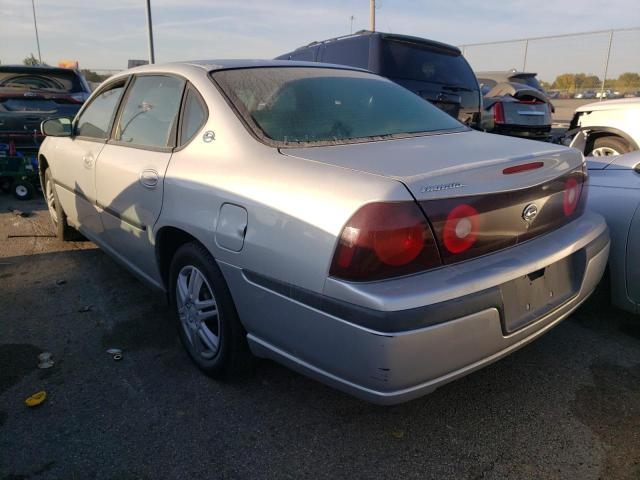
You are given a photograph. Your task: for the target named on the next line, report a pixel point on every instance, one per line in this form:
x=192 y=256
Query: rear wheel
x=609 y=145
x=63 y=231
x=22 y=189
x=207 y=320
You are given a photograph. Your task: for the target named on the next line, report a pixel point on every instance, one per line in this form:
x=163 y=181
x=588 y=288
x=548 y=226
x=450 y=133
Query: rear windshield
x=42 y=80
x=289 y=106
x=413 y=61
x=529 y=80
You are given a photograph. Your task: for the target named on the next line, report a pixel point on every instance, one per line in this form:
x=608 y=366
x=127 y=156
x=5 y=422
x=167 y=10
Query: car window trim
x=108 y=86
x=183 y=107
x=172 y=135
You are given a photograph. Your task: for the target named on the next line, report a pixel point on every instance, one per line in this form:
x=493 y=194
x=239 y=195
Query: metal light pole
x=526 y=49
x=150 y=33
x=351 y=18
x=606 y=65
x=35 y=24
x=372 y=15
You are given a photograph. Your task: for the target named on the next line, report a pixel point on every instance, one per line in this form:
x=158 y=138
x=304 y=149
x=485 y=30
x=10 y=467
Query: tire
x=198 y=322
x=22 y=189
x=58 y=218
x=609 y=145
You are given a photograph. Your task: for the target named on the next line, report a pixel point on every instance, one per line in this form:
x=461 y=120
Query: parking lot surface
x=566 y=406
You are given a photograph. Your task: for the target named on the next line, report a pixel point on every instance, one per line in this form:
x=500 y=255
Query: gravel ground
x=566 y=406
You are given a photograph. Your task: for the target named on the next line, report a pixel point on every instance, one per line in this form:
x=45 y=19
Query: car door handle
x=149 y=178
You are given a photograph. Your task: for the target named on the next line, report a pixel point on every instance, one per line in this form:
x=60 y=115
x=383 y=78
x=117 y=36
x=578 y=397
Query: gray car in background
x=514 y=103
x=326 y=218
x=615 y=194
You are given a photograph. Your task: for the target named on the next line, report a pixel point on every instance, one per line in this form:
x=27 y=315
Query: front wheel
x=609 y=145
x=63 y=231
x=207 y=320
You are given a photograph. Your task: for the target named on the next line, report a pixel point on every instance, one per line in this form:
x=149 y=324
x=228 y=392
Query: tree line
x=571 y=82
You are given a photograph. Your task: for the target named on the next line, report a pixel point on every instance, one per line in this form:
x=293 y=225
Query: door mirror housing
x=57 y=127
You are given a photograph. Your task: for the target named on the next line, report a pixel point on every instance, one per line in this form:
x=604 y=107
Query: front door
x=76 y=158
x=131 y=168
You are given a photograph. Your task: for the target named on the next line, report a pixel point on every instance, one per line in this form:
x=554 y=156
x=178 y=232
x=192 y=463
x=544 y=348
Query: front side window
x=150 y=111
x=95 y=119
x=296 y=105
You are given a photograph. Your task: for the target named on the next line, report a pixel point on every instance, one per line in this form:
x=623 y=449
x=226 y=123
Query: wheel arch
x=168 y=240
x=43 y=164
x=593 y=133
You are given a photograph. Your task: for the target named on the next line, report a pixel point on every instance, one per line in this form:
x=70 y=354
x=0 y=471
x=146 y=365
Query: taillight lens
x=460 y=229
x=498 y=113
x=383 y=240
x=571 y=196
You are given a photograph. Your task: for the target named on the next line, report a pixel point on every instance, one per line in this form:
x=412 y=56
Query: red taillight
x=461 y=229
x=383 y=240
x=498 y=113
x=571 y=196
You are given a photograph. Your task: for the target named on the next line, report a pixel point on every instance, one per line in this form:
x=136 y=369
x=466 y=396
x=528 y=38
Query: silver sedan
x=326 y=218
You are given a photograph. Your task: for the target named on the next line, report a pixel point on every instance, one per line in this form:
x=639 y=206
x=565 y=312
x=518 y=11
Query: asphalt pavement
x=565 y=406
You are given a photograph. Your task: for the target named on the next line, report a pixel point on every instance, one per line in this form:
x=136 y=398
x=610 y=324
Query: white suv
x=607 y=128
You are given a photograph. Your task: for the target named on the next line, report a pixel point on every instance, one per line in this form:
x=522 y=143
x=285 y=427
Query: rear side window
x=95 y=119
x=350 y=51
x=414 y=61
x=529 y=80
x=193 y=117
x=150 y=111
x=288 y=106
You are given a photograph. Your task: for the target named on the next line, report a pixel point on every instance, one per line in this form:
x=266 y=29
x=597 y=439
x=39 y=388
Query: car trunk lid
x=480 y=192
x=453 y=164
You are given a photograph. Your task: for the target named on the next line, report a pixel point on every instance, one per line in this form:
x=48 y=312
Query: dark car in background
x=29 y=95
x=516 y=104
x=435 y=71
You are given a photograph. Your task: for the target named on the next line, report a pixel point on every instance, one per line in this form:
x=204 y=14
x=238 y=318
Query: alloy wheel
x=51 y=201
x=604 y=152
x=198 y=312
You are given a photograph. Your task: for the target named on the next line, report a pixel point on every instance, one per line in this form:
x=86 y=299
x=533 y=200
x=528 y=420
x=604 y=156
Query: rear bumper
x=450 y=326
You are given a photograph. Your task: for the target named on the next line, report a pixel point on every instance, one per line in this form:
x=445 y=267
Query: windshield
x=43 y=80
x=294 y=105
x=529 y=80
x=413 y=61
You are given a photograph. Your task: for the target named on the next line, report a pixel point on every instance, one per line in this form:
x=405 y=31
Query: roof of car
x=617 y=104
x=213 y=65
x=393 y=36
x=34 y=68
x=499 y=74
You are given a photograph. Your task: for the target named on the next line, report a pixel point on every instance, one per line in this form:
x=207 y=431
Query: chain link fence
x=589 y=65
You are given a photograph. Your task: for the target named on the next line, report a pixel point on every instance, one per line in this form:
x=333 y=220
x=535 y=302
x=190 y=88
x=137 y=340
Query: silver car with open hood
x=326 y=218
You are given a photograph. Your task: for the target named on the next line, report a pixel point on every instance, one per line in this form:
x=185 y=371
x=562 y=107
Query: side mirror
x=56 y=127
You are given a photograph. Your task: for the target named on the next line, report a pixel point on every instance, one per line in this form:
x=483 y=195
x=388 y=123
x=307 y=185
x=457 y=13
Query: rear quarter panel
x=615 y=194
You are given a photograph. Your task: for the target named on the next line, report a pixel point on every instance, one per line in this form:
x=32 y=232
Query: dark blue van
x=436 y=71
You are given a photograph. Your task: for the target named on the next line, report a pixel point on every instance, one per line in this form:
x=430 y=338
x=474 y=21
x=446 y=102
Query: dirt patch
x=611 y=409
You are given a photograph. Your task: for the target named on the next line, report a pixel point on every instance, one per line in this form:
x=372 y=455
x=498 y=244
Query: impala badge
x=530 y=212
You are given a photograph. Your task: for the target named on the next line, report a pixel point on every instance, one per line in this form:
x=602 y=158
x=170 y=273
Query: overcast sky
x=105 y=33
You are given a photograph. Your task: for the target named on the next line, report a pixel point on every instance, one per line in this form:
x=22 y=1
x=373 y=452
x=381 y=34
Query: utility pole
x=606 y=65
x=150 y=33
x=372 y=15
x=35 y=24
x=351 y=18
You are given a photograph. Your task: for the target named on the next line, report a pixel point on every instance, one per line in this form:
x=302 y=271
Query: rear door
x=132 y=166
x=74 y=161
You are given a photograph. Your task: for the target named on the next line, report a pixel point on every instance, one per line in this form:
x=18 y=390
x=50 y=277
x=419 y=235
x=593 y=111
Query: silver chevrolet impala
x=326 y=218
